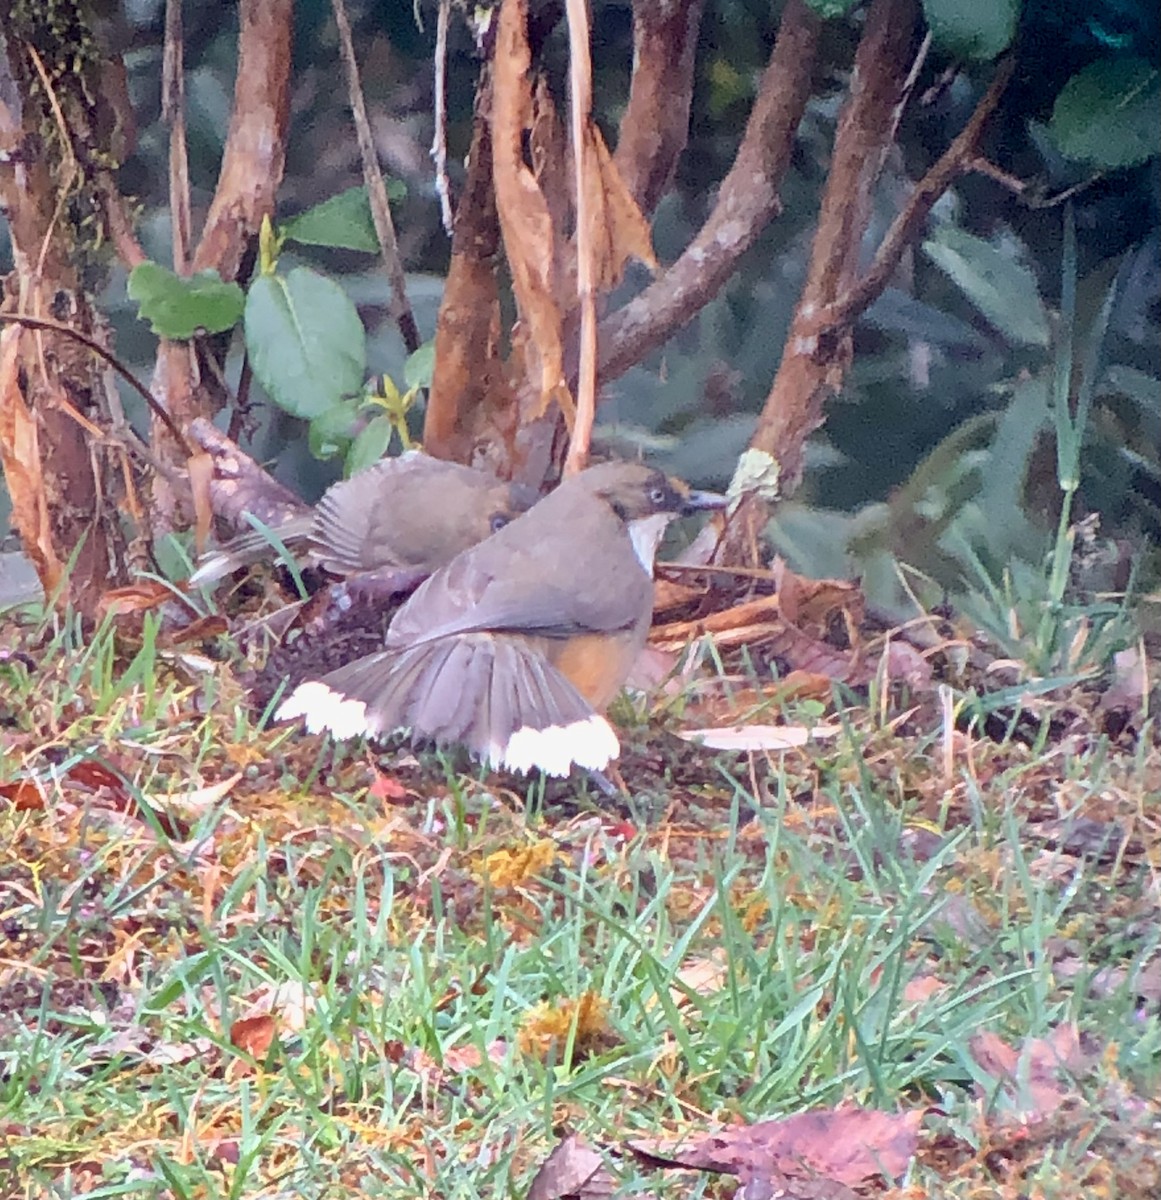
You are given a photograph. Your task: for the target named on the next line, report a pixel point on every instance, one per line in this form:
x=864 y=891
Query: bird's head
x=645 y=499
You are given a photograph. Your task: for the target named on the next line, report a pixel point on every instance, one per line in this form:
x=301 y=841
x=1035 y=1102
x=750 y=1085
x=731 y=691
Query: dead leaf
x=1032 y=1074
x=193 y=804
x=20 y=459
x=525 y=220
x=811 y=604
x=387 y=788
x=922 y=987
x=619 y=228
x=24 y=795
x=846 y=1145
x=573 y=1171
x=760 y=737
x=701 y=976
x=254 y=1035
x=134 y=598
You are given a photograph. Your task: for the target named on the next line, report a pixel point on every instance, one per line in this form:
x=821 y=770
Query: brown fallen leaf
x=1033 y=1076
x=23 y=795
x=573 y=1171
x=254 y=1035
x=134 y=598
x=847 y=1145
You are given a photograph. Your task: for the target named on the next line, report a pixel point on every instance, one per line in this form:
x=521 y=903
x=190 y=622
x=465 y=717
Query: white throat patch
x=646 y=533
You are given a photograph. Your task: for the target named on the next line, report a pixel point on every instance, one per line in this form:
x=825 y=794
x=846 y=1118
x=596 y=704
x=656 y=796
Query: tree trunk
x=64 y=118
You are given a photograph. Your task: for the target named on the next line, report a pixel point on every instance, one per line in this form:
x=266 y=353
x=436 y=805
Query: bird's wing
x=569 y=581
x=413 y=510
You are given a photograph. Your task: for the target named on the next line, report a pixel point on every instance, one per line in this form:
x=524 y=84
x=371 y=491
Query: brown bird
x=411 y=512
x=516 y=647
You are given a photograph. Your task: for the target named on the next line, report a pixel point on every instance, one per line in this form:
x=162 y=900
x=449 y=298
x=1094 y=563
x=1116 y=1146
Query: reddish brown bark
x=55 y=156
x=655 y=124
x=468 y=403
x=747 y=200
x=817 y=353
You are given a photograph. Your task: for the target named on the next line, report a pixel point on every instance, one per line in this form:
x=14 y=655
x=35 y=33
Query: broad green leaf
x=344 y=221
x=178 y=307
x=418 y=369
x=831 y=8
x=370 y=446
x=1003 y=290
x=332 y=431
x=972 y=28
x=1109 y=113
x=305 y=340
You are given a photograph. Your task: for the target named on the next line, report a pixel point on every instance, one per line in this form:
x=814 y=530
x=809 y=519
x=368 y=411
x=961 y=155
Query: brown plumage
x=411 y=512
x=515 y=648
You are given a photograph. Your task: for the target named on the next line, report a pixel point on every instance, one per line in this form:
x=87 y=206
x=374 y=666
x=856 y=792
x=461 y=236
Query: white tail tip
x=323 y=708
x=589 y=743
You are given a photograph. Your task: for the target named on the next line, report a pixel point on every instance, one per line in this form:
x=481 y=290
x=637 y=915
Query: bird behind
x=413 y=511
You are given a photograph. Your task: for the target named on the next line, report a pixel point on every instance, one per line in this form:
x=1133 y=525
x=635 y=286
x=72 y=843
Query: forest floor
x=239 y=962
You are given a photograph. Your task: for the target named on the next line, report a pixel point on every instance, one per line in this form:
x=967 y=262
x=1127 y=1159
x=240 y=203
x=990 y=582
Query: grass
x=436 y=973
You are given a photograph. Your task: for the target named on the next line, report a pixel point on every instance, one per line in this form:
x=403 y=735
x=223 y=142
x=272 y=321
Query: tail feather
x=497 y=696
x=248 y=548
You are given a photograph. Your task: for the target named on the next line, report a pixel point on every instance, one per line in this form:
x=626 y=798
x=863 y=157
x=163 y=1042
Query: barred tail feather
x=248 y=548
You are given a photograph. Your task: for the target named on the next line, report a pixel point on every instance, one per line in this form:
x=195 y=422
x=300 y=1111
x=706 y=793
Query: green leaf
x=306 y=343
x=370 y=446
x=831 y=8
x=1002 y=289
x=178 y=307
x=419 y=367
x=1108 y=114
x=332 y=431
x=972 y=28
x=344 y=221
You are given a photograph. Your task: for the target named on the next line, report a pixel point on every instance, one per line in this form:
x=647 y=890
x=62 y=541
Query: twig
x=439 y=136
x=400 y=308
x=173 y=114
x=108 y=357
x=581 y=88
x=958 y=158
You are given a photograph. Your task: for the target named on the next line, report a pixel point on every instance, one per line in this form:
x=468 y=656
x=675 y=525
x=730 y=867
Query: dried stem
x=581 y=80
x=400 y=308
x=173 y=114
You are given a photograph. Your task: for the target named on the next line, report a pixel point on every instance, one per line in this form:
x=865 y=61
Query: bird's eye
x=658 y=495
x=499 y=521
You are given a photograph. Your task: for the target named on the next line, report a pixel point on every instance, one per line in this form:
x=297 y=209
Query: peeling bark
x=62 y=131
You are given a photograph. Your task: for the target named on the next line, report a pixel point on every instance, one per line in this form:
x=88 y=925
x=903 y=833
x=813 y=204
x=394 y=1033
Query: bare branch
x=255 y=154
x=958 y=159
x=580 y=108
x=376 y=189
x=747 y=200
x=439 y=117
x=655 y=125
x=173 y=114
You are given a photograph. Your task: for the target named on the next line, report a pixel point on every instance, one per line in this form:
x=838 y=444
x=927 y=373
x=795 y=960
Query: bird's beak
x=701 y=501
